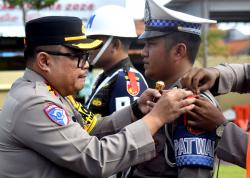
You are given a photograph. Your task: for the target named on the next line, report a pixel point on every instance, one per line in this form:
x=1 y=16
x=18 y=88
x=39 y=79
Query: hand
x=205 y=116
x=147 y=96
x=200 y=79
x=170 y=106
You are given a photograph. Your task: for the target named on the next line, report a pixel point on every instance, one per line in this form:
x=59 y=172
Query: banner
x=11 y=18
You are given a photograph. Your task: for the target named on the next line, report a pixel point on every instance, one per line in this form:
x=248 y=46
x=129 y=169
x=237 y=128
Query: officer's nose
x=85 y=66
x=144 y=51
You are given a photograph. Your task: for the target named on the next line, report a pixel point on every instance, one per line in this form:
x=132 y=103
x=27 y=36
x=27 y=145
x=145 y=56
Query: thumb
x=204 y=87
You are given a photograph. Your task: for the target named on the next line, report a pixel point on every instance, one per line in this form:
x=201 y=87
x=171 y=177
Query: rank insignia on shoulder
x=57 y=114
x=51 y=90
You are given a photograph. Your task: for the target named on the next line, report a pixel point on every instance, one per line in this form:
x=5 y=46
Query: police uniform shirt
x=164 y=164
x=232 y=147
x=161 y=21
x=37 y=143
x=116 y=88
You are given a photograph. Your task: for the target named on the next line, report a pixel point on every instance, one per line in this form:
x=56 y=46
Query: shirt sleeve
x=113 y=123
x=232 y=146
x=71 y=147
x=234 y=78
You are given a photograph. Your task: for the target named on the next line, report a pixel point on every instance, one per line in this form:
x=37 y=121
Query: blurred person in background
x=120 y=83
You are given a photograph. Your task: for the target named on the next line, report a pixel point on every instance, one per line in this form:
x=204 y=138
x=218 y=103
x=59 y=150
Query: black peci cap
x=58 y=30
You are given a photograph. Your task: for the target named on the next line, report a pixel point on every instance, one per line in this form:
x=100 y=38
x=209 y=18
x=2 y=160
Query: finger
x=201 y=102
x=185 y=93
x=180 y=94
x=204 y=87
x=166 y=91
x=156 y=93
x=149 y=108
x=197 y=111
x=193 y=115
x=186 y=81
x=197 y=79
x=186 y=108
x=187 y=102
x=153 y=93
x=150 y=104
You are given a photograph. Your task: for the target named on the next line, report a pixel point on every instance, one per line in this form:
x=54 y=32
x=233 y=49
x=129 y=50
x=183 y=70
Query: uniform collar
x=33 y=76
x=121 y=64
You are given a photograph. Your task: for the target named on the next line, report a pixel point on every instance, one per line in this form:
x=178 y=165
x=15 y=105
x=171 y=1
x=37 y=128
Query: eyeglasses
x=82 y=57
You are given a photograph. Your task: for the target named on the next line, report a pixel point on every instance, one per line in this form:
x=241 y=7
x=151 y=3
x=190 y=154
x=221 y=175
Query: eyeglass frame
x=79 y=56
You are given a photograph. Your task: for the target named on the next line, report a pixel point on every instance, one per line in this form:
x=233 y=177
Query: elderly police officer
x=38 y=133
x=172 y=41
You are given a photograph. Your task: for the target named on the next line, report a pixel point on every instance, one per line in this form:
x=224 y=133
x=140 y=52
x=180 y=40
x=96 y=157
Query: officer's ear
x=42 y=59
x=116 y=44
x=180 y=51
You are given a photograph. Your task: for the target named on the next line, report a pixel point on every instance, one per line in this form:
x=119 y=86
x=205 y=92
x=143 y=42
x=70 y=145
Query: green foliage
x=231 y=171
x=35 y=4
x=216 y=46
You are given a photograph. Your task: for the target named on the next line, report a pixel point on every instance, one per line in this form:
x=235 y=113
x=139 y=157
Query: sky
x=136 y=7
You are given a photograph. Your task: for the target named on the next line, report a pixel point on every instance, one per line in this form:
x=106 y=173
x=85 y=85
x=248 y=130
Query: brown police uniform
x=164 y=164
x=159 y=22
x=232 y=146
x=233 y=78
x=42 y=135
x=32 y=145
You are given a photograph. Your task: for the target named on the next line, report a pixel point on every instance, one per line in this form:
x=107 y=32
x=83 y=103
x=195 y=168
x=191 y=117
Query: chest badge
x=133 y=87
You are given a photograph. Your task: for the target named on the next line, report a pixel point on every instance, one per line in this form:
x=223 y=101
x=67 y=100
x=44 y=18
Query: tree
x=216 y=45
x=29 y=4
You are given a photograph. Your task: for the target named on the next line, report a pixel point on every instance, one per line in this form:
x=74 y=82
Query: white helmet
x=111 y=20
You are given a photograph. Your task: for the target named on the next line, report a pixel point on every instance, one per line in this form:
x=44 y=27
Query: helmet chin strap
x=104 y=47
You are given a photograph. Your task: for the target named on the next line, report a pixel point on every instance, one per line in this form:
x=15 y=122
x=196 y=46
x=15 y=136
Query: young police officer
x=39 y=135
x=172 y=41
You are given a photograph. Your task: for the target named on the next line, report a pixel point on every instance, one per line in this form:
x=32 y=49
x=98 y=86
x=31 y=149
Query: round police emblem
x=97 y=102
